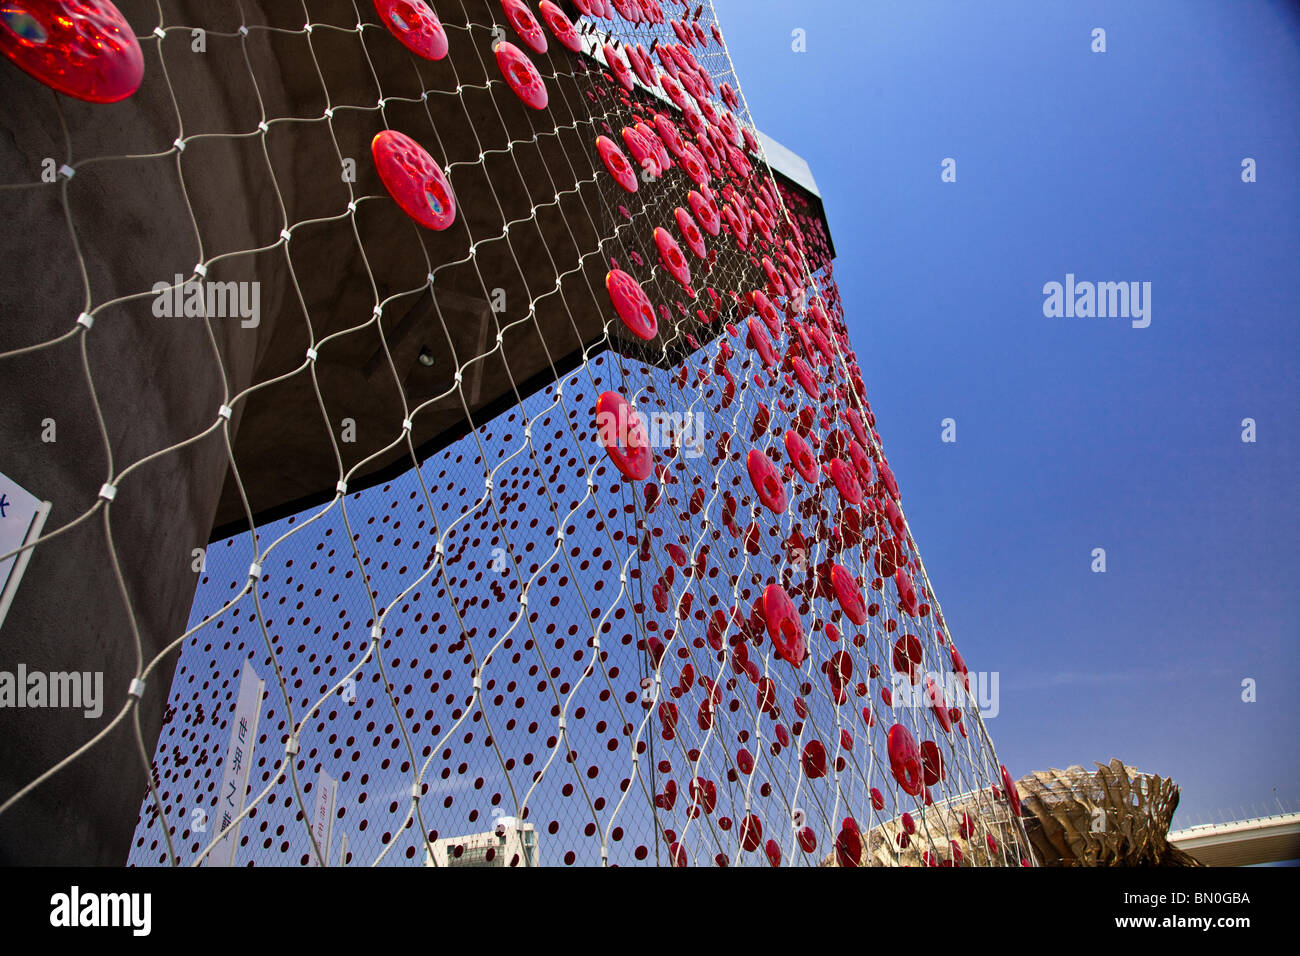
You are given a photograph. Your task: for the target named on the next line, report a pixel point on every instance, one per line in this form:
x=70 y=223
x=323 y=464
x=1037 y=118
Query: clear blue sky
x=1077 y=433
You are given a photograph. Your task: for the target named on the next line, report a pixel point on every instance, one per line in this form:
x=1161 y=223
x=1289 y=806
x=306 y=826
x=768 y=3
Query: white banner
x=322 y=826
x=22 y=515
x=239 y=761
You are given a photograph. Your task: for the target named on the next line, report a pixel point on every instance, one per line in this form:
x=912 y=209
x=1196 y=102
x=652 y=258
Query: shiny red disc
x=783 y=625
x=617 y=64
x=760 y=343
x=690 y=232
x=632 y=304
x=706 y=212
x=766 y=311
x=848 y=594
x=1013 y=795
x=560 y=25
x=801 y=456
x=694 y=164
x=616 y=163
x=813 y=759
x=846 y=482
x=84 y=48
x=932 y=768
x=413 y=179
x=767 y=480
x=415 y=25
x=905 y=760
x=807 y=380
x=622 y=434
x=525 y=24
x=671 y=255
x=642 y=153
x=521 y=75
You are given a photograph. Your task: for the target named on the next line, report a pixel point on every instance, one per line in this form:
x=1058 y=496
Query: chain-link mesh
x=509 y=652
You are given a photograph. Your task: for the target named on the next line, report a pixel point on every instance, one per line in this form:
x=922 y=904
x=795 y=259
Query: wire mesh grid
x=510 y=653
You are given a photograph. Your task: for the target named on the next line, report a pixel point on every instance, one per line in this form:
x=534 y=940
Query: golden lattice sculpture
x=1116 y=816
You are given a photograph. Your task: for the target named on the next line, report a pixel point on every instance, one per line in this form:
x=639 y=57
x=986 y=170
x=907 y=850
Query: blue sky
x=1077 y=433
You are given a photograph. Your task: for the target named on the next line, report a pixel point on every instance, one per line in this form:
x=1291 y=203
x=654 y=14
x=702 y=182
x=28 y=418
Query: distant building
x=511 y=843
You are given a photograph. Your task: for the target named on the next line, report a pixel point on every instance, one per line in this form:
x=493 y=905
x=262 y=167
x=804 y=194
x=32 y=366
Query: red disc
x=668 y=132
x=1013 y=795
x=561 y=26
x=521 y=75
x=706 y=212
x=848 y=594
x=641 y=152
x=622 y=72
x=413 y=179
x=801 y=456
x=525 y=24
x=814 y=759
x=906 y=592
x=905 y=760
x=766 y=311
x=759 y=342
x=690 y=232
x=808 y=381
x=848 y=844
x=934 y=698
x=846 y=482
x=767 y=480
x=783 y=624
x=616 y=163
x=632 y=304
x=932 y=767
x=672 y=257
x=694 y=165
x=887 y=476
x=84 y=48
x=415 y=25
x=623 y=436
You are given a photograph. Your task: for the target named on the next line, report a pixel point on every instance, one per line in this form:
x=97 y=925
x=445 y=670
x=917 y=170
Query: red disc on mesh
x=814 y=759
x=622 y=72
x=887 y=476
x=623 y=436
x=671 y=136
x=848 y=844
x=632 y=304
x=807 y=380
x=560 y=25
x=415 y=25
x=934 y=697
x=521 y=75
x=84 y=48
x=706 y=212
x=525 y=24
x=906 y=593
x=848 y=594
x=846 y=482
x=931 y=763
x=751 y=832
x=1013 y=795
x=616 y=163
x=759 y=342
x=907 y=656
x=905 y=760
x=694 y=164
x=672 y=257
x=641 y=151
x=801 y=456
x=767 y=480
x=413 y=179
x=888 y=558
x=766 y=311
x=690 y=232
x=783 y=625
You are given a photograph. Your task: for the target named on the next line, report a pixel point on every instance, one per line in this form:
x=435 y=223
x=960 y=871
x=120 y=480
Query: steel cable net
x=689 y=629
